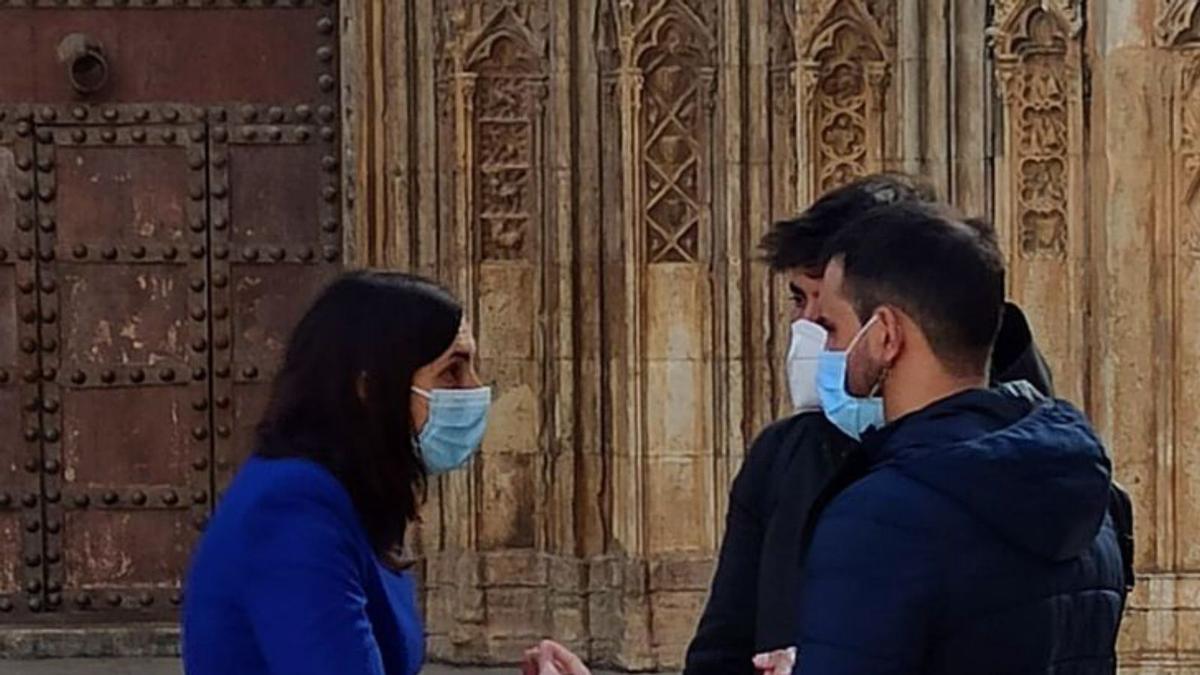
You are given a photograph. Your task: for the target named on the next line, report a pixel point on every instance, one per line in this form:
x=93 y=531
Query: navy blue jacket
x=979 y=541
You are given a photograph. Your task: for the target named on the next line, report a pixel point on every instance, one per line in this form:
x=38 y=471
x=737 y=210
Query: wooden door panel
x=276 y=188
x=268 y=300
x=15 y=485
x=125 y=299
x=134 y=198
x=12 y=179
x=12 y=577
x=120 y=437
x=277 y=197
x=16 y=68
x=245 y=406
x=165 y=55
x=146 y=283
x=128 y=316
x=21 y=553
x=127 y=562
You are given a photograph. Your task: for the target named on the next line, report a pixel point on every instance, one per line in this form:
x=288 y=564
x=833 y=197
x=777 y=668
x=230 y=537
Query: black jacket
x=793 y=468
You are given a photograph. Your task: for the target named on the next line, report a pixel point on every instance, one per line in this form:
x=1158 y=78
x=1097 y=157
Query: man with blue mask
x=800 y=462
x=978 y=536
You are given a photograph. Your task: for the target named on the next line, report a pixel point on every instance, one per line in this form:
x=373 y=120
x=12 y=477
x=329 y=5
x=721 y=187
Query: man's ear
x=892 y=336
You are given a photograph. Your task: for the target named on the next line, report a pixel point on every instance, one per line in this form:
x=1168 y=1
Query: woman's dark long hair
x=376 y=329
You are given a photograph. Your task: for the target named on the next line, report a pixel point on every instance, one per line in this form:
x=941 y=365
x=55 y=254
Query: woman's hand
x=778 y=662
x=551 y=658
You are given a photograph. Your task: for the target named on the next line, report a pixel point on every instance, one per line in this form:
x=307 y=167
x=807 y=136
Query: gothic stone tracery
x=846 y=75
x=1039 y=87
x=674 y=116
x=1188 y=150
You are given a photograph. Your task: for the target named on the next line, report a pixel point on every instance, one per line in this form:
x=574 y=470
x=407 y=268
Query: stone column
x=1146 y=203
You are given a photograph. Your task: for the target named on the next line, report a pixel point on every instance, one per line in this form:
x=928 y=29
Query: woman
x=300 y=569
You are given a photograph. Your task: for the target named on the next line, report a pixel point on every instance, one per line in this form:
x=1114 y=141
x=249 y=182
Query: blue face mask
x=454 y=429
x=851 y=414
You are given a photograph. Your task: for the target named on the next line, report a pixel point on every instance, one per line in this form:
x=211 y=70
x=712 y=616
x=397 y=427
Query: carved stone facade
x=1040 y=173
x=594 y=176
x=1178 y=22
x=845 y=65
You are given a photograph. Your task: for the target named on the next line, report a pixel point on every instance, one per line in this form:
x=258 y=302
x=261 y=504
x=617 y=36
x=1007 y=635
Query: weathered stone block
x=515 y=568
x=507 y=322
x=672 y=482
x=674 y=621
x=516 y=612
x=681 y=574
x=509 y=487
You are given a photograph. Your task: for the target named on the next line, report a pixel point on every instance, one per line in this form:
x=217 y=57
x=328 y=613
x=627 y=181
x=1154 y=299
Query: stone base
x=39 y=642
x=615 y=612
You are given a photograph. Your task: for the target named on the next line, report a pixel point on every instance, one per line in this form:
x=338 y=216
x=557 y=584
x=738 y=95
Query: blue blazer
x=285 y=581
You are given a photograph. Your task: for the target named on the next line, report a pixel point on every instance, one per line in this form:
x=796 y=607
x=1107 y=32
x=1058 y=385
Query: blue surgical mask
x=853 y=415
x=454 y=428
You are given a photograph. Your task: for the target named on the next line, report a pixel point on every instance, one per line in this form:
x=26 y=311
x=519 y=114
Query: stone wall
x=594 y=175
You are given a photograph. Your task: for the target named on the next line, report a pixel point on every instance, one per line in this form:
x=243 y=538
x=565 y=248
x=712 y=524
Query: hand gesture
x=778 y=662
x=551 y=658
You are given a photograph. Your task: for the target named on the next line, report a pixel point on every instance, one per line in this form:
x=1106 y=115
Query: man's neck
x=904 y=396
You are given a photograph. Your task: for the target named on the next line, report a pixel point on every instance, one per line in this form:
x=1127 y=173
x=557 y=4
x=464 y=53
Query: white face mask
x=808 y=341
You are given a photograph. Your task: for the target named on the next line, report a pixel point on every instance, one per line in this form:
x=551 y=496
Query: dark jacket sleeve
x=812 y=457
x=724 y=640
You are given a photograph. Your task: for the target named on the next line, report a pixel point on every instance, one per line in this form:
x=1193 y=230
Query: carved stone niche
x=1178 y=23
x=509 y=96
x=845 y=74
x=675 y=117
x=1187 y=155
x=495 y=52
x=1038 y=79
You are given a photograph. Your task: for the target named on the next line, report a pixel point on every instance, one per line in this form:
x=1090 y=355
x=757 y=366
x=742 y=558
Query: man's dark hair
x=945 y=273
x=800 y=242
x=984 y=227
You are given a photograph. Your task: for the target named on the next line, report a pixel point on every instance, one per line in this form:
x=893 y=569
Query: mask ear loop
x=879 y=383
x=861 y=332
x=883 y=376
x=875 y=388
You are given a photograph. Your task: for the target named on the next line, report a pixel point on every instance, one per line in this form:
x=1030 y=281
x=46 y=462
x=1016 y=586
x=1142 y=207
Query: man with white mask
x=799 y=463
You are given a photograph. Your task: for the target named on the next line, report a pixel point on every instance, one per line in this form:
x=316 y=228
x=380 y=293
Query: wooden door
x=169 y=202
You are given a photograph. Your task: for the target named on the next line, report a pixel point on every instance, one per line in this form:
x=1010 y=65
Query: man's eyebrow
x=796 y=290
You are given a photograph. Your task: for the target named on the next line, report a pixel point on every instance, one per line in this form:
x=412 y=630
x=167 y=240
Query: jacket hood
x=1016 y=357
x=1029 y=467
